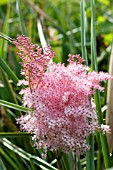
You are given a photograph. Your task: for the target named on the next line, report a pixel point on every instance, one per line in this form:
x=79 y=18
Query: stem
x=59 y=163
x=58 y=156
x=5 y=37
x=74 y=161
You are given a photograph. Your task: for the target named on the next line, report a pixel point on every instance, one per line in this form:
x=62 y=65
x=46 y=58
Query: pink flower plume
x=63 y=113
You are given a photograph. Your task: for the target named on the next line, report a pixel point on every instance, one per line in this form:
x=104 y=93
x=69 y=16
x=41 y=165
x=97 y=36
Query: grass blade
x=5 y=30
x=13 y=134
x=83 y=32
x=9 y=91
x=2 y=166
x=97 y=95
x=41 y=34
x=14 y=106
x=90 y=139
x=93 y=38
x=9 y=160
x=78 y=162
x=9 y=72
x=43 y=164
x=20 y=18
x=5 y=37
x=67 y=161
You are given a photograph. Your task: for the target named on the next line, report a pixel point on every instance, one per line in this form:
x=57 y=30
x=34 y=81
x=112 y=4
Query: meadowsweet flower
x=63 y=112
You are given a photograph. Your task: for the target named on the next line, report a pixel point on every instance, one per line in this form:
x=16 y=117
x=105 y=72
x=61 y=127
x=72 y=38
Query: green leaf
x=42 y=163
x=94 y=64
x=20 y=18
x=9 y=160
x=9 y=90
x=67 y=161
x=13 y=134
x=2 y=166
x=41 y=34
x=9 y=72
x=78 y=162
x=83 y=32
x=5 y=30
x=14 y=106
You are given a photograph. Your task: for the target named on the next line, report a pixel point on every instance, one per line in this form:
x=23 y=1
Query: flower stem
x=74 y=161
x=59 y=163
x=58 y=156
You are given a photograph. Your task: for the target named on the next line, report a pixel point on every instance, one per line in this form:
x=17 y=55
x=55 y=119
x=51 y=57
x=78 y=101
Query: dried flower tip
x=80 y=60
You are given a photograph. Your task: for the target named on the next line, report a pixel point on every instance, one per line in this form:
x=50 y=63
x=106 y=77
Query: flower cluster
x=63 y=113
x=33 y=61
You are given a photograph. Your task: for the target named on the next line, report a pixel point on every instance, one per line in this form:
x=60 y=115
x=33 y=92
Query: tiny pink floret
x=105 y=128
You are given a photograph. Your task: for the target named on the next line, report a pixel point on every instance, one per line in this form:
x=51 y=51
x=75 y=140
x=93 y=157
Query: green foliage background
x=61 y=24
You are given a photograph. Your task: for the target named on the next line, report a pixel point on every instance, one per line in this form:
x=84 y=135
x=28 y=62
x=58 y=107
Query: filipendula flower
x=63 y=113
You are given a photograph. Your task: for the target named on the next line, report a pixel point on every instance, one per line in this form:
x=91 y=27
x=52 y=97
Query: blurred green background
x=61 y=26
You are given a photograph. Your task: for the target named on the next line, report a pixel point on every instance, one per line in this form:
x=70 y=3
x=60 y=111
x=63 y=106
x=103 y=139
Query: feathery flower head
x=64 y=114
x=34 y=62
